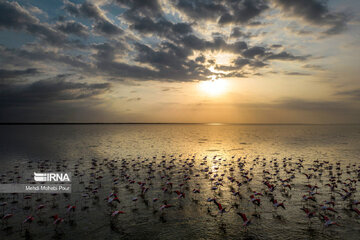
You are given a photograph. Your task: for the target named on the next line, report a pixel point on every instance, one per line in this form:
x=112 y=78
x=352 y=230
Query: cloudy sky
x=239 y=61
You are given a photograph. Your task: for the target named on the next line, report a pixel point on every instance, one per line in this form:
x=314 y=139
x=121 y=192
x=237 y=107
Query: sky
x=183 y=61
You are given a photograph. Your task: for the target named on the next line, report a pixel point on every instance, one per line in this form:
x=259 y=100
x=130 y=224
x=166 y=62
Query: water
x=193 y=217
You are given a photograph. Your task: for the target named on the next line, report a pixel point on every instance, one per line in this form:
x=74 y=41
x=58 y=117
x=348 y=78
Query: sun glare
x=214 y=87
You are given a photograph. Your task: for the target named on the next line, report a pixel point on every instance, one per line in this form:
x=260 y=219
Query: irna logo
x=51 y=177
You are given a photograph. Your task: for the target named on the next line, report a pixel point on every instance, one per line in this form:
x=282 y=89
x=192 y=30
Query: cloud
x=353 y=94
x=6 y=74
x=315 y=12
x=49 y=90
x=72 y=27
x=297 y=74
x=311 y=105
x=15 y=17
x=217 y=44
x=89 y=10
x=150 y=8
x=314 y=67
x=286 y=56
x=236 y=33
x=30 y=56
x=254 y=51
x=107 y=28
x=224 y=12
x=136 y=99
x=161 y=27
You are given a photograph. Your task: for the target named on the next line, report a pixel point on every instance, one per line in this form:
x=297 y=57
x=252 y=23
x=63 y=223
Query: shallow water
x=129 y=150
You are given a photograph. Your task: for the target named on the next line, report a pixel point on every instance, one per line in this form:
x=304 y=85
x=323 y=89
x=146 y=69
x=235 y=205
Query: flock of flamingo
x=324 y=191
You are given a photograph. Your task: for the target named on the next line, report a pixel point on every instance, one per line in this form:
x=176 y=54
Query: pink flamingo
x=116 y=213
x=246 y=221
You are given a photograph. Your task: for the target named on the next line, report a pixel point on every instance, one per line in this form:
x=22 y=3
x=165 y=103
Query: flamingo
x=309 y=214
x=255 y=200
x=116 y=213
x=112 y=199
x=356 y=210
x=328 y=222
x=29 y=219
x=162 y=207
x=270 y=186
x=70 y=208
x=329 y=203
x=196 y=190
x=57 y=220
x=323 y=207
x=258 y=194
x=246 y=221
x=309 y=198
x=180 y=194
x=277 y=204
x=221 y=209
x=6 y=218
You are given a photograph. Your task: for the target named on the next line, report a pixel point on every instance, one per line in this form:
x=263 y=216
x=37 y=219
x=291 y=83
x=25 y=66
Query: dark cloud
x=285 y=56
x=172 y=62
x=297 y=74
x=71 y=8
x=72 y=27
x=13 y=16
x=150 y=8
x=239 y=63
x=217 y=44
x=136 y=99
x=314 y=67
x=107 y=28
x=243 y=11
x=353 y=94
x=315 y=12
x=236 y=33
x=6 y=74
x=210 y=10
x=309 y=105
x=49 y=90
x=201 y=59
x=29 y=57
x=254 y=51
x=89 y=10
x=224 y=12
x=161 y=27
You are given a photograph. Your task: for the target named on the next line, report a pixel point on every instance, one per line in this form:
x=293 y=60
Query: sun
x=213 y=87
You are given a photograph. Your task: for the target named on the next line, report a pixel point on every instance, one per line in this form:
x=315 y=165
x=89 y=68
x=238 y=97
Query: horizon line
x=154 y=123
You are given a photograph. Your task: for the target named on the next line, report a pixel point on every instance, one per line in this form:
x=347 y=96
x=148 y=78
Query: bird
x=309 y=213
x=221 y=209
x=70 y=208
x=29 y=219
x=246 y=221
x=180 y=194
x=309 y=198
x=116 y=213
x=323 y=207
x=57 y=219
x=162 y=207
x=255 y=200
x=328 y=222
x=277 y=204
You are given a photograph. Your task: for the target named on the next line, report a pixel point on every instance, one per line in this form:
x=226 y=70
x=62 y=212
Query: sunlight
x=214 y=87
